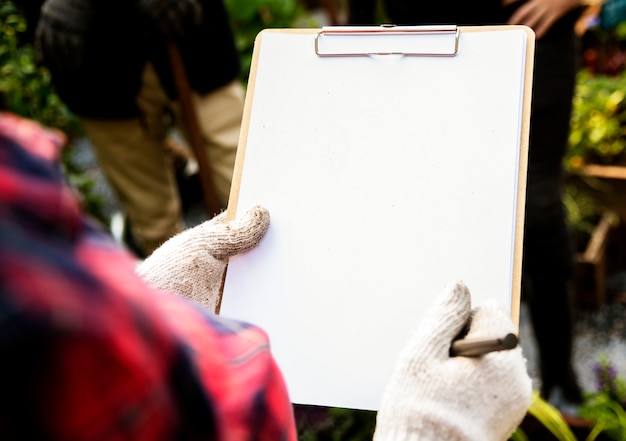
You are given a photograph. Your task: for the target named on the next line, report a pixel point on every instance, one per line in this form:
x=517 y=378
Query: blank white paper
x=386 y=178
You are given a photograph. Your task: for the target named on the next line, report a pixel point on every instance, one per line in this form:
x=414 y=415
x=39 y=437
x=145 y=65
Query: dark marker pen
x=475 y=347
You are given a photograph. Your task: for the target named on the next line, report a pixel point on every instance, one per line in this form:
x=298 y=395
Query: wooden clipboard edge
x=233 y=201
x=522 y=174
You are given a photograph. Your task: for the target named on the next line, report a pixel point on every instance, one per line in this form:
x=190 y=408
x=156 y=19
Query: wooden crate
x=591 y=265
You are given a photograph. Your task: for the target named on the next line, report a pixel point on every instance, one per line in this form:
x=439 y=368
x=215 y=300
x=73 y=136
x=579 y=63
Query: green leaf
x=551 y=418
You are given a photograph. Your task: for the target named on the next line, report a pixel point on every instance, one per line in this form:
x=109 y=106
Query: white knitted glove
x=192 y=263
x=432 y=396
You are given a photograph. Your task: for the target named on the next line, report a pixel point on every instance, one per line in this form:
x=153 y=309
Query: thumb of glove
x=192 y=263
x=444 y=321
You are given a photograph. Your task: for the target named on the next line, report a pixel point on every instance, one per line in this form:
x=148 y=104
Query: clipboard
x=393 y=162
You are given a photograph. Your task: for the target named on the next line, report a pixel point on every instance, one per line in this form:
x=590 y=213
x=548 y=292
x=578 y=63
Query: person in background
x=97 y=347
x=548 y=253
x=109 y=63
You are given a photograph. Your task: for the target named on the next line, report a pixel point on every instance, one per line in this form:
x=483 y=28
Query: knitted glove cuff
x=432 y=423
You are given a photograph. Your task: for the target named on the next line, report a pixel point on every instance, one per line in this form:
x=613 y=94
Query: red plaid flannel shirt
x=90 y=352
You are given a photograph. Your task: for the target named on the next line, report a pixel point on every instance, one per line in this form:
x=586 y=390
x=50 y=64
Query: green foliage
x=598 y=125
x=24 y=85
x=606 y=406
x=335 y=424
x=620 y=32
x=26 y=90
x=583 y=213
x=598 y=136
x=518 y=435
x=249 y=17
x=551 y=419
x=353 y=425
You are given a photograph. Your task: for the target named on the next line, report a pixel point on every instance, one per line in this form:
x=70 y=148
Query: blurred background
x=595 y=195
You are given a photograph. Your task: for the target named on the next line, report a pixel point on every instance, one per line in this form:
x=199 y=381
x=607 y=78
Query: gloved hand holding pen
x=433 y=396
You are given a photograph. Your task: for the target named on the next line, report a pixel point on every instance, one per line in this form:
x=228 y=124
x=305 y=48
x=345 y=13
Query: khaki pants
x=137 y=164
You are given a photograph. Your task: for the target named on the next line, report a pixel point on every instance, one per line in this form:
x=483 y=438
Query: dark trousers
x=548 y=251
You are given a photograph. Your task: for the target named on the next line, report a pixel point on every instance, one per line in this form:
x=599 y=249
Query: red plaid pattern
x=90 y=352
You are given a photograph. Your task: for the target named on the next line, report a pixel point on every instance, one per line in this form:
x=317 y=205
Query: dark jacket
x=120 y=41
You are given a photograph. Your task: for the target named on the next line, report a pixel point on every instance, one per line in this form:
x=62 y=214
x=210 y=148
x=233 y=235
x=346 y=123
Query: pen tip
x=510 y=341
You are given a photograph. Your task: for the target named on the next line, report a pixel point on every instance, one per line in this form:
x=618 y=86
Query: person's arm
x=90 y=350
x=540 y=15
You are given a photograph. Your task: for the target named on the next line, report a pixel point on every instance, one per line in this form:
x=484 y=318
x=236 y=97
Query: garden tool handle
x=190 y=118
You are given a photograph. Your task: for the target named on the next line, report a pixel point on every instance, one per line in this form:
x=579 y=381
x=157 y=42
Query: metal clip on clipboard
x=387 y=40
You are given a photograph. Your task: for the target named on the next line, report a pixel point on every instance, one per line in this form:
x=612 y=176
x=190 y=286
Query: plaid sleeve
x=235 y=364
x=89 y=352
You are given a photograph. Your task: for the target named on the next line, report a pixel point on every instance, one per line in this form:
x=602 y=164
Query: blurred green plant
x=334 y=424
x=597 y=136
x=606 y=407
x=598 y=124
x=583 y=214
x=549 y=417
x=26 y=90
x=24 y=85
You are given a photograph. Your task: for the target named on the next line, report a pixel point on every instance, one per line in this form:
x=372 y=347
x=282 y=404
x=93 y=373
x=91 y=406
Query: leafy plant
x=551 y=418
x=583 y=214
x=605 y=409
x=334 y=424
x=606 y=406
x=597 y=135
x=24 y=85
x=598 y=124
x=26 y=90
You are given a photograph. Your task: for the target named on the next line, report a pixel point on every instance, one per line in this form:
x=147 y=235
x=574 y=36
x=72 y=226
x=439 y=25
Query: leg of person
x=219 y=114
x=552 y=318
x=548 y=253
x=138 y=171
x=548 y=267
x=134 y=158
